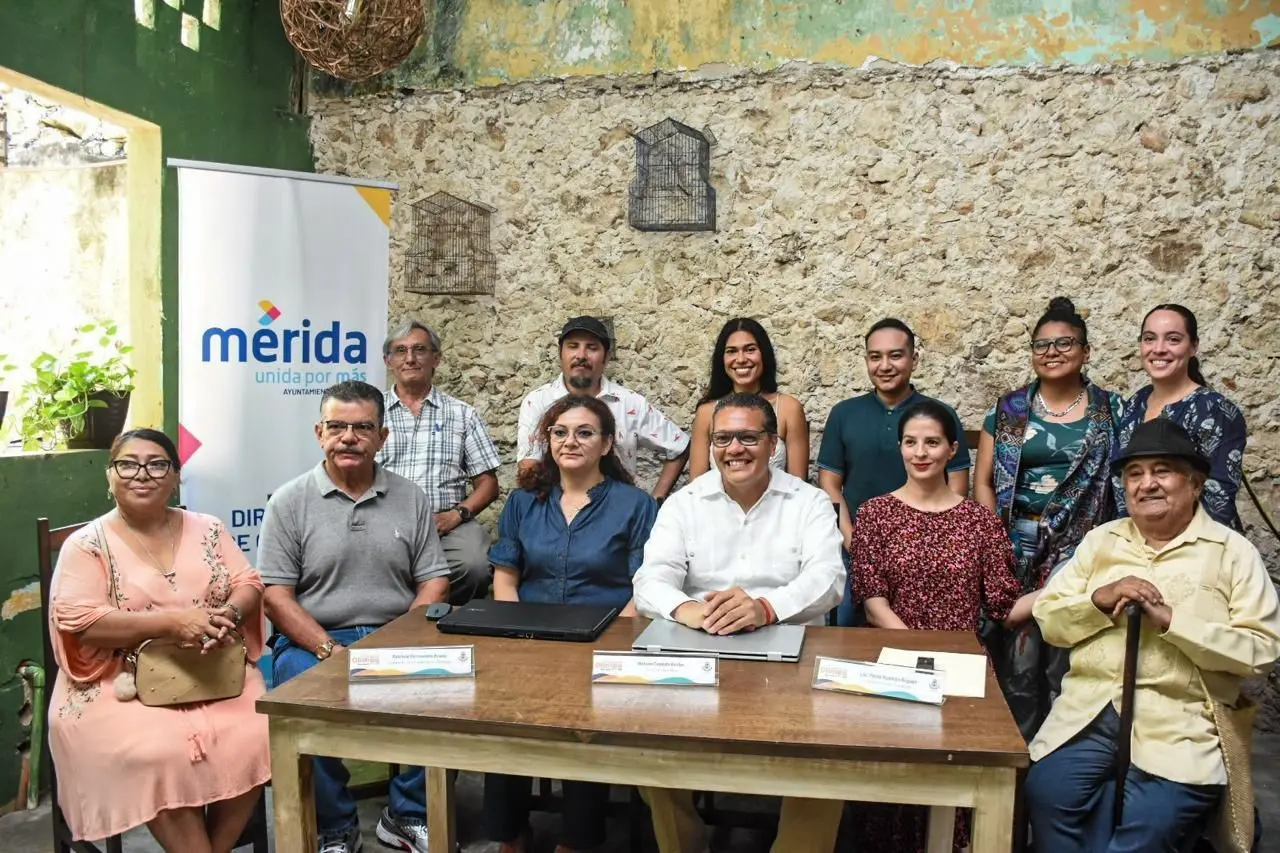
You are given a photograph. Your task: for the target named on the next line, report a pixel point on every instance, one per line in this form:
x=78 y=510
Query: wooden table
x=531 y=710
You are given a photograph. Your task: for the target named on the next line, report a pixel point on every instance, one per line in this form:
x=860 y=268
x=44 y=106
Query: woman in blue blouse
x=573 y=533
x=1178 y=391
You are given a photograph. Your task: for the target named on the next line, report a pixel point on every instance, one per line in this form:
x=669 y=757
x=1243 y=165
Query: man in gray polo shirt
x=346 y=548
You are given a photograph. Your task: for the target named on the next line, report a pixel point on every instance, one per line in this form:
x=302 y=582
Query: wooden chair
x=1124 y=736
x=49 y=540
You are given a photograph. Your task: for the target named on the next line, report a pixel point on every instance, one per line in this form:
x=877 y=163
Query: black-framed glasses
x=562 y=433
x=129 y=469
x=1041 y=346
x=745 y=437
x=363 y=429
x=400 y=353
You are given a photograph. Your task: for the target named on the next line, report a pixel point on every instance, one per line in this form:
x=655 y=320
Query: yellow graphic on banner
x=379 y=201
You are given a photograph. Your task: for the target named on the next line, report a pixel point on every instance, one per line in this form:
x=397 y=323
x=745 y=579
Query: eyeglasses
x=561 y=433
x=418 y=350
x=1041 y=346
x=745 y=437
x=363 y=429
x=128 y=469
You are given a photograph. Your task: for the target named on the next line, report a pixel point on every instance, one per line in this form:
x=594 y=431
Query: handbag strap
x=111 y=572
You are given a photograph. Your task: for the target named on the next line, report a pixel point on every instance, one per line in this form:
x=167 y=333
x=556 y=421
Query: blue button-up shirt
x=590 y=561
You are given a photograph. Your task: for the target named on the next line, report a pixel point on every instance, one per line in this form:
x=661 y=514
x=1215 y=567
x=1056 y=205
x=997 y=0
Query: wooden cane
x=1125 y=736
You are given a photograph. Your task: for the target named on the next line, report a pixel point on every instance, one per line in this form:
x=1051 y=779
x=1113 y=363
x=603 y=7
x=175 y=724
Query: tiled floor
x=28 y=832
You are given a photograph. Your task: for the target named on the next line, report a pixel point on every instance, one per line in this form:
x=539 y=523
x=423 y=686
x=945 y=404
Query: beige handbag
x=164 y=674
x=168 y=675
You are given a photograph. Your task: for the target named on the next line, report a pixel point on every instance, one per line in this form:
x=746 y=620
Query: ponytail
x=1193 y=370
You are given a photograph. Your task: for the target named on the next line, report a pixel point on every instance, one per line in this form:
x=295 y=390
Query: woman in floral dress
x=926 y=559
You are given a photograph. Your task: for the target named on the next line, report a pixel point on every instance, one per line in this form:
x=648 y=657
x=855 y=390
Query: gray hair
x=404 y=329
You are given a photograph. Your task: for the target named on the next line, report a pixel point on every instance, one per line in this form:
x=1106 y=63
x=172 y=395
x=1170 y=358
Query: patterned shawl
x=1082 y=500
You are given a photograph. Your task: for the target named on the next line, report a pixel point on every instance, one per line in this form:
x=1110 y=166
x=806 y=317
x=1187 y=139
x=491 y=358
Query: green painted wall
x=488 y=42
x=228 y=101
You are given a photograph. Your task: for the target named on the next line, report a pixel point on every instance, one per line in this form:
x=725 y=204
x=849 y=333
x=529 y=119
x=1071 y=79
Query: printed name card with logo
x=409 y=663
x=641 y=668
x=878 y=679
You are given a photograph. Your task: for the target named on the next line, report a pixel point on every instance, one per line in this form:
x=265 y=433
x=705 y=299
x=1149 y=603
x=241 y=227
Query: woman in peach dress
x=192 y=773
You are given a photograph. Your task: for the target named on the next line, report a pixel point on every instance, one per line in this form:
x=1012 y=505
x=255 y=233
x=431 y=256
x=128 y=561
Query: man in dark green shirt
x=859 y=458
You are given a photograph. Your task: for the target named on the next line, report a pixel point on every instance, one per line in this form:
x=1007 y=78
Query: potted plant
x=79 y=401
x=5 y=367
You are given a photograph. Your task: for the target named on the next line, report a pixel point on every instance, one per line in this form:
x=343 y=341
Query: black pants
x=584 y=819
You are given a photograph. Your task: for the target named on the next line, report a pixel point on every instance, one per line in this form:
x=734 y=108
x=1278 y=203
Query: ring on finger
x=205 y=638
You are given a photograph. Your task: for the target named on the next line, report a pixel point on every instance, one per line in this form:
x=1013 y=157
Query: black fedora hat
x=1161 y=437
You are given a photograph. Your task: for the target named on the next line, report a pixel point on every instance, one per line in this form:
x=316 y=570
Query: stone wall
x=959 y=200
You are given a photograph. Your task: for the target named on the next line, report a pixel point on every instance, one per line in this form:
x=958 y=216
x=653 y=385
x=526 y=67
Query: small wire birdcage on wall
x=672 y=188
x=450 y=248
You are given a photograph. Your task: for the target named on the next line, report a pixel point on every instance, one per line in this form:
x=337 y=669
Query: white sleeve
x=654 y=431
x=659 y=582
x=820 y=584
x=527 y=444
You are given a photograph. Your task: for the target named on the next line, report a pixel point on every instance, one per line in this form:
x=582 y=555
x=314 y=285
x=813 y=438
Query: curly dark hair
x=545 y=474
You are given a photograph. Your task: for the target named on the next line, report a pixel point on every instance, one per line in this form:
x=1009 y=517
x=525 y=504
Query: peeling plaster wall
x=485 y=42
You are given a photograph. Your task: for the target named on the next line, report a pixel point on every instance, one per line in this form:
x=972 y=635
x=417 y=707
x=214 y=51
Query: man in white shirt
x=584 y=352
x=741 y=547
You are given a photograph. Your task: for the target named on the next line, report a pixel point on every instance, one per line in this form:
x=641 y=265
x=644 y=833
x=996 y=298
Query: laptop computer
x=770 y=643
x=487 y=618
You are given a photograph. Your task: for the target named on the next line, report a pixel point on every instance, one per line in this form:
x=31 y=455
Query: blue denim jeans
x=335 y=807
x=849 y=613
x=1070 y=795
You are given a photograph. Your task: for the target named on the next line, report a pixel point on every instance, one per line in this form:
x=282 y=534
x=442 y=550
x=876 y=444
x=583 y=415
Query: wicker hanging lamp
x=353 y=39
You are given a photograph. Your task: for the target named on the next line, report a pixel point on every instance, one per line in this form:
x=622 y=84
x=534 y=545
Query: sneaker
x=349 y=841
x=402 y=833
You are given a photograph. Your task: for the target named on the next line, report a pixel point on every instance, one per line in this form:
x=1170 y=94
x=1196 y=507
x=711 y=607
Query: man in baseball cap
x=585 y=347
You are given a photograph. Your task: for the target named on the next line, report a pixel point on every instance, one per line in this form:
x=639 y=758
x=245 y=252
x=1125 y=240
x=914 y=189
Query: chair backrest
x=49 y=540
x=971 y=437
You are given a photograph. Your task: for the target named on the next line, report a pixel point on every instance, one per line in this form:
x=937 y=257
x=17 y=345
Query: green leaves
x=57 y=399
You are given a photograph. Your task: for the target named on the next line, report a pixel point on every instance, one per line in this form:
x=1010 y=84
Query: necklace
x=159 y=567
x=1044 y=407
x=571 y=511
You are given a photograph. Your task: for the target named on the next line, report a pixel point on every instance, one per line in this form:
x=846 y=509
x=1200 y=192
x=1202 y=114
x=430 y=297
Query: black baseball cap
x=590 y=325
x=1161 y=437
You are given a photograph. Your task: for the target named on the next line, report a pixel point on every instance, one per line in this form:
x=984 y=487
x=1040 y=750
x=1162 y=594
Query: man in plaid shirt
x=440 y=443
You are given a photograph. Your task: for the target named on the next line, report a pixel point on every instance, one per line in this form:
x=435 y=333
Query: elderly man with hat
x=1210 y=619
x=585 y=347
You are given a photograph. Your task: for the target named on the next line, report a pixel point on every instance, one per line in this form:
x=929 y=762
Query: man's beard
x=582 y=383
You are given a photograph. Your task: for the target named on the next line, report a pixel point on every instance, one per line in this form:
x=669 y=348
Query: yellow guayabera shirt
x=1226 y=623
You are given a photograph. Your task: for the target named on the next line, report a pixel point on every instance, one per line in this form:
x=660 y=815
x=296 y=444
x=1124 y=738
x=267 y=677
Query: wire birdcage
x=672 y=188
x=450 y=251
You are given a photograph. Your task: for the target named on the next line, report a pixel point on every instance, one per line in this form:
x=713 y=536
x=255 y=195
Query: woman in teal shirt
x=1043 y=467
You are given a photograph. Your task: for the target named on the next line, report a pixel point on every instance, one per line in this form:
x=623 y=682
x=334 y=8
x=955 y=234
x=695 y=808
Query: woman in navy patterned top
x=574 y=533
x=1178 y=391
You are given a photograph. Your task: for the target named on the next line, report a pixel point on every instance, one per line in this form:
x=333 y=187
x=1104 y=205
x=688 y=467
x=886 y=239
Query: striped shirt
x=441 y=449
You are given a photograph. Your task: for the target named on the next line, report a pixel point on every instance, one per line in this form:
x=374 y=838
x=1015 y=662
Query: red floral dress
x=937 y=570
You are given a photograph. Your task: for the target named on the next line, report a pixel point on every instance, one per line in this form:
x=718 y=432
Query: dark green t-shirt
x=860 y=442
x=1048 y=449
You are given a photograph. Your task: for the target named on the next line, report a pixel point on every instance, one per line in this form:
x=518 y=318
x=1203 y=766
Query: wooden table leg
x=942 y=829
x=292 y=794
x=993 y=811
x=441 y=816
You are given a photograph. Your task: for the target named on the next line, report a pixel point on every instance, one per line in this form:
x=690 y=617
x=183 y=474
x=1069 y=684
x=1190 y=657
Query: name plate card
x=878 y=679
x=640 y=668
x=409 y=663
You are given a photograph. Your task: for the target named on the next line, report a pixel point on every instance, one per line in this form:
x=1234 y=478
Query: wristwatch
x=324 y=650
x=463 y=513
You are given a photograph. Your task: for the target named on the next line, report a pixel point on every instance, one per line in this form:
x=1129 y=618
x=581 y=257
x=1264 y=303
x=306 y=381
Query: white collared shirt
x=639 y=424
x=785 y=549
